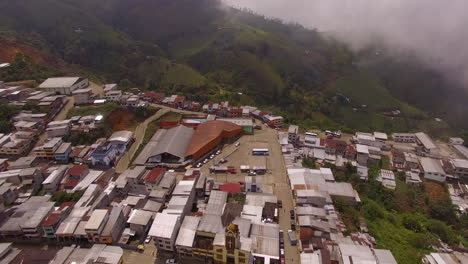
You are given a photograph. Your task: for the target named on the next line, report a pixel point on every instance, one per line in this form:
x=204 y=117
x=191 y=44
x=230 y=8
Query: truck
x=292 y=238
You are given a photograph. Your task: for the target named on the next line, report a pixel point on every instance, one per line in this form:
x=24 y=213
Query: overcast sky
x=436 y=30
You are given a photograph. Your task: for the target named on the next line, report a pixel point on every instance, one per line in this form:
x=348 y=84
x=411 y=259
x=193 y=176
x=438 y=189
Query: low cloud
x=435 y=31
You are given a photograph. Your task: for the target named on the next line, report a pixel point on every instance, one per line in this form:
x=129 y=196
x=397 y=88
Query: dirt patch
x=8 y=49
x=435 y=191
x=122 y=120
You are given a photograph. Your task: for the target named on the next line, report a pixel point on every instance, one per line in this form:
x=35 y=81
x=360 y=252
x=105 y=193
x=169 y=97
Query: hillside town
x=214 y=183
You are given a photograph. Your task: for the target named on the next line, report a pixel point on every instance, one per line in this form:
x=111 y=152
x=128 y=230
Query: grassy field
x=170 y=117
x=104 y=110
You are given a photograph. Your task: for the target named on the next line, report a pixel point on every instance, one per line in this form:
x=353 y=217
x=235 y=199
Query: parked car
x=171 y=261
x=252 y=173
x=258 y=127
x=198 y=165
x=205 y=161
x=292 y=238
x=147 y=240
x=218 y=152
x=291 y=213
x=280 y=204
x=237 y=144
x=212 y=156
x=223 y=160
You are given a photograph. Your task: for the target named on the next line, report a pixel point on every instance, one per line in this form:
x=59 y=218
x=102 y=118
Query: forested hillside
x=212 y=52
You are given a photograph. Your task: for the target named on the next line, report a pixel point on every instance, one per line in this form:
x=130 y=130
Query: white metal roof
x=139 y=217
x=430 y=165
x=362 y=149
x=96 y=219
x=187 y=231
x=59 y=82
x=164 y=225
x=425 y=140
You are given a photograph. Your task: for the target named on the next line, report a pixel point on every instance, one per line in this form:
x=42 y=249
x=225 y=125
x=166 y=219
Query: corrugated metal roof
x=187 y=231
x=59 y=82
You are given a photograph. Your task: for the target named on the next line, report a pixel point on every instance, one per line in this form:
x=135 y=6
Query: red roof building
x=51 y=223
x=77 y=171
x=209 y=135
x=153 y=177
x=231 y=188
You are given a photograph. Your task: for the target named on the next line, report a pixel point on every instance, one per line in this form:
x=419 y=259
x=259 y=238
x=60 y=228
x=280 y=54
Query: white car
x=237 y=144
x=205 y=161
x=147 y=240
x=218 y=152
x=171 y=261
x=212 y=156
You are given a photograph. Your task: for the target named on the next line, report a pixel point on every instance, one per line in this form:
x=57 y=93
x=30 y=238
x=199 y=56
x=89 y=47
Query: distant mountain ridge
x=211 y=52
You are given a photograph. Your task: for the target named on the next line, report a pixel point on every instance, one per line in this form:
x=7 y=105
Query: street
x=139 y=134
x=275 y=177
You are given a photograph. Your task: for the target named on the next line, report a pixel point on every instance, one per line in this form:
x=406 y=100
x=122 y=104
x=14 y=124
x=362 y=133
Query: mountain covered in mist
x=211 y=52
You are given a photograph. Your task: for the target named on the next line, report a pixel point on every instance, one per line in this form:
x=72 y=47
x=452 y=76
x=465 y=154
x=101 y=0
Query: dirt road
x=139 y=134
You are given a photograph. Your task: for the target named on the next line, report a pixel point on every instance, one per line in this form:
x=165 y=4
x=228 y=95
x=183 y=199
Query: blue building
x=62 y=154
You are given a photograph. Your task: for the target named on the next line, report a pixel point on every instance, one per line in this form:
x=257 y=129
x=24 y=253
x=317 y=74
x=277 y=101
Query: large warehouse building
x=181 y=145
x=209 y=135
x=64 y=85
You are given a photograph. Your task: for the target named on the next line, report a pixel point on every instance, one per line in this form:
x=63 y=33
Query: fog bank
x=435 y=31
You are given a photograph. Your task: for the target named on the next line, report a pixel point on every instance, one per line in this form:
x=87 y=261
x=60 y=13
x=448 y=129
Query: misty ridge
x=436 y=32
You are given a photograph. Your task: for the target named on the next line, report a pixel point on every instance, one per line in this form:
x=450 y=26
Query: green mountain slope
x=211 y=52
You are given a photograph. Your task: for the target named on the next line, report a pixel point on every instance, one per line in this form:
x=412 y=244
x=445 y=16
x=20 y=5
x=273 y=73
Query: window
x=241 y=260
x=219 y=250
x=241 y=254
x=161 y=245
x=167 y=242
x=219 y=256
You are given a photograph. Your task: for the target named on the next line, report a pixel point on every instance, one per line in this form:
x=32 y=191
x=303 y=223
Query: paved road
x=148 y=256
x=179 y=110
x=139 y=134
x=275 y=178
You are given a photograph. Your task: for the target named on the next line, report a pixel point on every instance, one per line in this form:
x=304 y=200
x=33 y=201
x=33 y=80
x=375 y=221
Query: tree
x=443 y=210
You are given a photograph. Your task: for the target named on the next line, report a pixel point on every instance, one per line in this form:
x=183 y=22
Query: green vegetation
x=465 y=137
x=23 y=68
x=61 y=197
x=104 y=109
x=170 y=117
x=405 y=221
x=150 y=131
x=6 y=113
x=216 y=53
x=309 y=163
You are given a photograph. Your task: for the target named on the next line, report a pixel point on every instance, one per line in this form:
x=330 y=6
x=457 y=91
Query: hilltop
x=211 y=52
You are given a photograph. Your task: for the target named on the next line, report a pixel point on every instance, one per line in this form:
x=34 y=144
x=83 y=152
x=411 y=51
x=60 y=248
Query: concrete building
x=26 y=221
x=186 y=237
x=53 y=220
x=47 y=150
x=432 y=169
x=114 y=96
x=58 y=128
x=114 y=226
x=140 y=221
x=96 y=224
x=62 y=154
x=164 y=231
x=52 y=182
x=97 y=254
x=404 y=137
x=153 y=178
x=460 y=167
x=426 y=143
x=245 y=123
x=362 y=154
x=83 y=96
x=64 y=85
x=456 y=141
x=274 y=121
x=253 y=184
x=293 y=132
x=387 y=178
